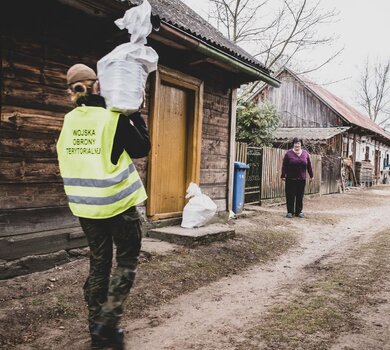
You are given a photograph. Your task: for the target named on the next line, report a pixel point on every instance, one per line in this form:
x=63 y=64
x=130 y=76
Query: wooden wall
x=215 y=142
x=331 y=174
x=298 y=107
x=39 y=42
x=35 y=57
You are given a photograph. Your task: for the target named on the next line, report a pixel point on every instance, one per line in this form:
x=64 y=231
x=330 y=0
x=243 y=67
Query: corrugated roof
x=343 y=109
x=312 y=134
x=183 y=17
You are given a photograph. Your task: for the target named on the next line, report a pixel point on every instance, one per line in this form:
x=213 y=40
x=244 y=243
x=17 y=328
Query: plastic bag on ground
x=123 y=72
x=199 y=209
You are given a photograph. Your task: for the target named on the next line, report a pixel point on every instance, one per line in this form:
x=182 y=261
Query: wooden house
x=190 y=110
x=330 y=127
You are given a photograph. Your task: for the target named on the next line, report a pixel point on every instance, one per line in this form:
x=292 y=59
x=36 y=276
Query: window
x=367 y=155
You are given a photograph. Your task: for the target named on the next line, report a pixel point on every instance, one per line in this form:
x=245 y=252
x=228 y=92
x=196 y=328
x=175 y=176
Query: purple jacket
x=295 y=167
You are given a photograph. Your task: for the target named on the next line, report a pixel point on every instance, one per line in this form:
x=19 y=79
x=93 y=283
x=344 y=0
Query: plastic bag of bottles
x=123 y=72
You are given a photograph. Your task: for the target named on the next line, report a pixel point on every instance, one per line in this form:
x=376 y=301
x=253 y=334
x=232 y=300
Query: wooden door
x=171 y=163
x=377 y=165
x=176 y=124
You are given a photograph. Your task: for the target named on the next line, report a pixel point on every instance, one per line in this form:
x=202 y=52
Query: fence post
x=261 y=185
x=241 y=152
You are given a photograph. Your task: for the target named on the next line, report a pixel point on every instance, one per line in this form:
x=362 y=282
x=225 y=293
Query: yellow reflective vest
x=95 y=187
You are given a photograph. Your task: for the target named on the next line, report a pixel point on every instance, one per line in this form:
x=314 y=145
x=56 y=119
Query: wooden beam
x=1 y=74
x=354 y=150
x=35 y=96
x=41 y=243
x=102 y=8
x=167 y=41
x=27 y=170
x=15 y=222
x=18 y=144
x=32 y=195
x=232 y=146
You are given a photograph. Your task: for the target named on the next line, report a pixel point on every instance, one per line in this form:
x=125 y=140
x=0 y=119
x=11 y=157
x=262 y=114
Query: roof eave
x=201 y=46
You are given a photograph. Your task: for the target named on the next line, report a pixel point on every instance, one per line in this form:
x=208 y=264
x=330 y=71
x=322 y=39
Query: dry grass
x=326 y=306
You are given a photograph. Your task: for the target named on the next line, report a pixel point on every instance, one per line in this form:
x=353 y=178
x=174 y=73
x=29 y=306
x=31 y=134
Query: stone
x=193 y=236
x=32 y=263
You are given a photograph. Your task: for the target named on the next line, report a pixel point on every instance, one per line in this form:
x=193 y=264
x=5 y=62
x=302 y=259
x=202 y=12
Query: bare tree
x=374 y=91
x=284 y=33
x=238 y=18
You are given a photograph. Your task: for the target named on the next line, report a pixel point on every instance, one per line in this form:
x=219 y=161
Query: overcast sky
x=363 y=29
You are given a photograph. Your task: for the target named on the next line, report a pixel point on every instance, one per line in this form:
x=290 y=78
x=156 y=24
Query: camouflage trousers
x=105 y=295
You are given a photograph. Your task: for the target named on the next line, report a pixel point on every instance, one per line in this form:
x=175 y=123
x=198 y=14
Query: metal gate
x=253 y=175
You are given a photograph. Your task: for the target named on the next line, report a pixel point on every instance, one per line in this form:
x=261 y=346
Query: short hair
x=296 y=140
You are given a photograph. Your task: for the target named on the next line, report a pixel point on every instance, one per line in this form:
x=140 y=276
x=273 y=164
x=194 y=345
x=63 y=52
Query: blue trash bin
x=239 y=186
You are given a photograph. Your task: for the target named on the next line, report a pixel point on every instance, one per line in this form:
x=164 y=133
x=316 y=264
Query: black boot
x=104 y=336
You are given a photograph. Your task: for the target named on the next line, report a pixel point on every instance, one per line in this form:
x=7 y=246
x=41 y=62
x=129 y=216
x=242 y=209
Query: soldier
x=95 y=151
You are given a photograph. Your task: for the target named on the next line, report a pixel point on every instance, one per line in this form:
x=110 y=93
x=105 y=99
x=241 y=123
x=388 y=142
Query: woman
x=95 y=151
x=296 y=163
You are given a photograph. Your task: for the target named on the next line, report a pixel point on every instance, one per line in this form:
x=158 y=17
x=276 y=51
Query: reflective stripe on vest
x=107 y=200
x=69 y=181
x=95 y=187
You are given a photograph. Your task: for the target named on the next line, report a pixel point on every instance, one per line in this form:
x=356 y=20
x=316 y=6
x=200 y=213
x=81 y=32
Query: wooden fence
x=331 y=174
x=263 y=177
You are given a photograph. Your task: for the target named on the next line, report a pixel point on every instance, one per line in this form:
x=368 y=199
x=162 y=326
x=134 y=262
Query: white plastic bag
x=123 y=72
x=137 y=22
x=199 y=209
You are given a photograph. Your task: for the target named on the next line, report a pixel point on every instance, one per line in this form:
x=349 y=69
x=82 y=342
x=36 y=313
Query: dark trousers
x=294 y=195
x=105 y=296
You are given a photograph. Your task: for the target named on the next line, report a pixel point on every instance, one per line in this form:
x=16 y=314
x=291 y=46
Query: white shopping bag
x=199 y=209
x=123 y=72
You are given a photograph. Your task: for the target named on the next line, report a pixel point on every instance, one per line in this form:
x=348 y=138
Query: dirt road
x=217 y=316
x=330 y=291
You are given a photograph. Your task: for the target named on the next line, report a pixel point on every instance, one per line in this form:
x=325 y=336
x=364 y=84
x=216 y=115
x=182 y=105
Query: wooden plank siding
x=34 y=101
x=241 y=152
x=271 y=166
x=331 y=174
x=215 y=140
x=300 y=108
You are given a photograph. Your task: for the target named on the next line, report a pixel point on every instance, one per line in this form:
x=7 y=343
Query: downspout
x=219 y=55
